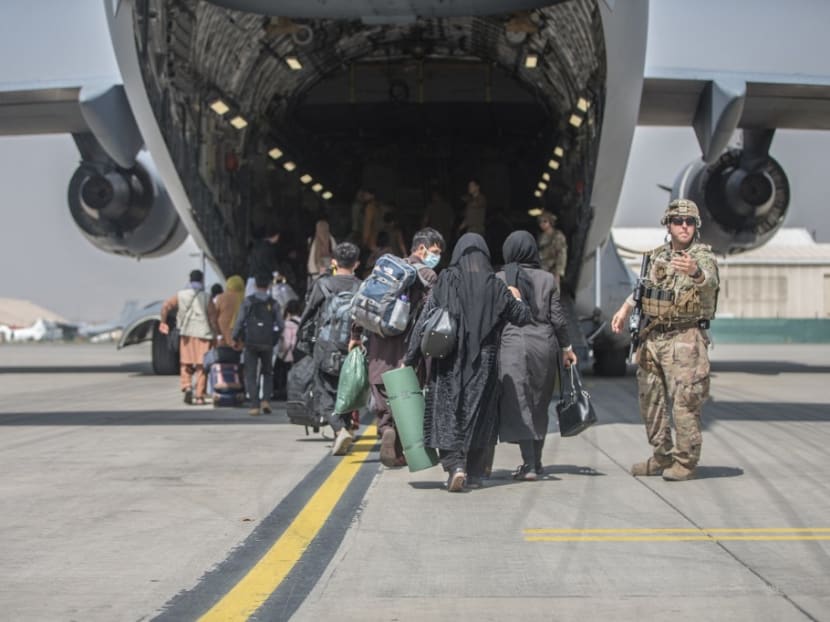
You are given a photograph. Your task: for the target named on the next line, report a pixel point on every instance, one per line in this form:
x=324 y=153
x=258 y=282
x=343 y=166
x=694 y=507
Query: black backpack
x=259 y=324
x=336 y=318
x=334 y=330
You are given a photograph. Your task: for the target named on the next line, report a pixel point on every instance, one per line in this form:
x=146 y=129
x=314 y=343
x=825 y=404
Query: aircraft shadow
x=762 y=368
x=768 y=368
x=196 y=416
x=714 y=472
x=141 y=369
x=571 y=469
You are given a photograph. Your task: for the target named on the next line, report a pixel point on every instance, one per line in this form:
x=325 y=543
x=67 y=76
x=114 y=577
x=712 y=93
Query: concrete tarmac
x=119 y=502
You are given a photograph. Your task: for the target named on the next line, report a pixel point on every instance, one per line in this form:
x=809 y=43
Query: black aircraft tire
x=611 y=362
x=165 y=361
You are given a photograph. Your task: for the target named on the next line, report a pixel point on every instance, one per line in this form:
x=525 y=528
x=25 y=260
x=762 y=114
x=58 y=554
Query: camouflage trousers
x=674 y=367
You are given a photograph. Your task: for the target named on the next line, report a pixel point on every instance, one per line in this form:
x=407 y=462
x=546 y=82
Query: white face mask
x=432 y=259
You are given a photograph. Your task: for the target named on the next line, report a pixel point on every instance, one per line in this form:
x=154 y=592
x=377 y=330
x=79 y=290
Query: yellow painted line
x=255 y=587
x=682 y=530
x=679 y=538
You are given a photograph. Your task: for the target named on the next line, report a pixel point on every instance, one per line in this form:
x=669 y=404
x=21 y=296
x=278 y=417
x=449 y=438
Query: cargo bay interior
x=275 y=122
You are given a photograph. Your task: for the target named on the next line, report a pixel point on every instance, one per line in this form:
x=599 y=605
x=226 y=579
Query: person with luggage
x=285 y=347
x=529 y=355
x=385 y=351
x=257 y=326
x=193 y=312
x=225 y=308
x=328 y=317
x=461 y=402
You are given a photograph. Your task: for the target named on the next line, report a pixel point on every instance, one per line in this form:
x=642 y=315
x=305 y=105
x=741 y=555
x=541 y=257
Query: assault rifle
x=637 y=322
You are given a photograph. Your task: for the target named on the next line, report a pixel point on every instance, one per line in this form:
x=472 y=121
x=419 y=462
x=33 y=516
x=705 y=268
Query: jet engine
x=125 y=211
x=742 y=198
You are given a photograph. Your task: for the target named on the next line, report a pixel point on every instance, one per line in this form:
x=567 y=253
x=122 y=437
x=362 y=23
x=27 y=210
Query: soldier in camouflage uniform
x=679 y=300
x=553 y=247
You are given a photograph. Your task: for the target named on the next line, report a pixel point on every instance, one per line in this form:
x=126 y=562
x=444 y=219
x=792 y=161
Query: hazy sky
x=46 y=260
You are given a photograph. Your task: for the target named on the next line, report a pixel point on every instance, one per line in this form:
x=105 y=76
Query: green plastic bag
x=353 y=387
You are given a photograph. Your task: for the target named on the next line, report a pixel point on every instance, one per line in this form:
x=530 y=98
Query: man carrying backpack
x=258 y=325
x=385 y=351
x=329 y=309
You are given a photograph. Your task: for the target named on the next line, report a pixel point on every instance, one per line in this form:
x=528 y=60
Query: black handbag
x=438 y=340
x=575 y=411
x=173 y=338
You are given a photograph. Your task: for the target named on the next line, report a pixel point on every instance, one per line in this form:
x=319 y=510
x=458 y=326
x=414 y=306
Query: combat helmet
x=681 y=207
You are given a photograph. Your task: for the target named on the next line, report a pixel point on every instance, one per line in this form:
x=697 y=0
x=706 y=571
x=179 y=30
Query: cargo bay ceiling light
x=306 y=179
x=583 y=104
x=575 y=120
x=559 y=152
x=535 y=211
x=275 y=153
x=293 y=62
x=219 y=106
x=546 y=176
x=289 y=166
x=239 y=122
x=531 y=61
x=542 y=185
x=327 y=195
x=317 y=187
x=553 y=164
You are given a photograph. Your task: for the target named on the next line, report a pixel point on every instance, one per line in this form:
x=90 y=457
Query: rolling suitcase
x=226 y=383
x=300 y=393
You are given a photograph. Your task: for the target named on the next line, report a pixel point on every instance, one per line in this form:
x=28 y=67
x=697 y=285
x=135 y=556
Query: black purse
x=439 y=338
x=173 y=338
x=575 y=411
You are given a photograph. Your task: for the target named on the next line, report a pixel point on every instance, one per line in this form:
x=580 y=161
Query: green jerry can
x=407 y=403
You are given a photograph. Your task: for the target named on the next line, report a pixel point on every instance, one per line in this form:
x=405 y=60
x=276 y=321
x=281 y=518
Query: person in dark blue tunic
x=461 y=398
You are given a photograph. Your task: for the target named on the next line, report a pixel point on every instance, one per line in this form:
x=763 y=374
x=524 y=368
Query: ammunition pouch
x=667 y=306
x=658 y=303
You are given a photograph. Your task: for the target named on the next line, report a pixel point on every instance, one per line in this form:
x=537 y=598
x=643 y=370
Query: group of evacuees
x=511 y=338
x=498 y=382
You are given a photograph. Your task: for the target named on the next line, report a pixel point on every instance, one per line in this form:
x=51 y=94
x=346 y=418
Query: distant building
x=18 y=313
x=789 y=277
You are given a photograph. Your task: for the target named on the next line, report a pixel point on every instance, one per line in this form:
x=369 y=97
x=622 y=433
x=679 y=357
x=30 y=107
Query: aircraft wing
x=673 y=97
x=41 y=108
x=718 y=103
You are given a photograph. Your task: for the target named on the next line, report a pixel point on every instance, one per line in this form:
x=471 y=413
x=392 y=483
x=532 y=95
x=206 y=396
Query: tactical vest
x=674 y=298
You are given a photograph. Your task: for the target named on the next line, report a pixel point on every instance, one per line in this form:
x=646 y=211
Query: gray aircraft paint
x=38 y=168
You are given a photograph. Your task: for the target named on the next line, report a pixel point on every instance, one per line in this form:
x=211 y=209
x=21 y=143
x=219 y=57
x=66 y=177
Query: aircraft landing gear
x=610 y=361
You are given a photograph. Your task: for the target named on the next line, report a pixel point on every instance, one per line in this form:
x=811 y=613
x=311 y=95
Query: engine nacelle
x=125 y=212
x=741 y=209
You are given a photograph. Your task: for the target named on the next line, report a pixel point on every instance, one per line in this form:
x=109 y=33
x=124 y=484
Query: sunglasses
x=679 y=220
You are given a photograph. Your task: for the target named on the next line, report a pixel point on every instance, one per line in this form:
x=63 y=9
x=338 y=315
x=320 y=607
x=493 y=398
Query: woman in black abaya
x=529 y=355
x=462 y=389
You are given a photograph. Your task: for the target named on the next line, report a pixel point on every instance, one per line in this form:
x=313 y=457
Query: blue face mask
x=432 y=259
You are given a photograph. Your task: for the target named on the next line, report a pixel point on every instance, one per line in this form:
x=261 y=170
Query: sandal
x=525 y=473
x=199 y=401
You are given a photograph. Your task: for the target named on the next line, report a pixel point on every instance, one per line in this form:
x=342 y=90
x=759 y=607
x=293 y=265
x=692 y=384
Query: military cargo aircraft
x=236 y=115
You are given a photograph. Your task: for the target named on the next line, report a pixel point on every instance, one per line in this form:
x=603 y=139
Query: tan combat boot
x=678 y=473
x=649 y=467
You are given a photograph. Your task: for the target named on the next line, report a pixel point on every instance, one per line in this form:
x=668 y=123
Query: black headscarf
x=521 y=251
x=470 y=290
